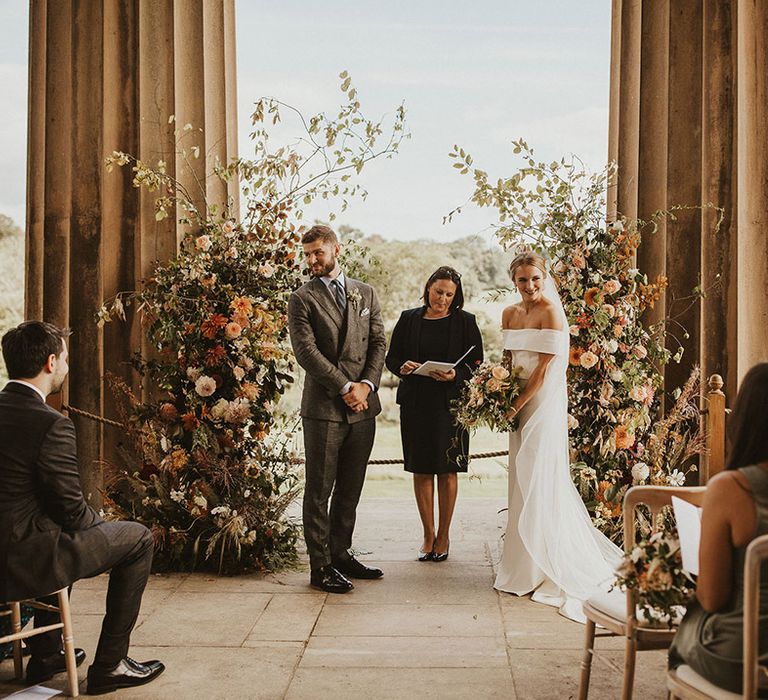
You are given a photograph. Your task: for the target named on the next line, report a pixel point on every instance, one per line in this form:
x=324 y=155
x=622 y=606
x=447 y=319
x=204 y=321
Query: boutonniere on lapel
x=354 y=297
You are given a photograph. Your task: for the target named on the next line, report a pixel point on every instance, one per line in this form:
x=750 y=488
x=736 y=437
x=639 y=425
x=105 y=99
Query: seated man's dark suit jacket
x=47 y=534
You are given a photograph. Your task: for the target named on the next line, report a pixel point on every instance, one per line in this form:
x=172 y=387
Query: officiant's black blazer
x=47 y=533
x=404 y=345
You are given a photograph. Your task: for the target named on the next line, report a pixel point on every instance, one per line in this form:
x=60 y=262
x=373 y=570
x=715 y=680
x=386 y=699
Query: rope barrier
x=107 y=421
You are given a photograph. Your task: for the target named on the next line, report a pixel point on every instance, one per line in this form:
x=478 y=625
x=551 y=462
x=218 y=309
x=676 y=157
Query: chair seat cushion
x=614 y=604
x=688 y=676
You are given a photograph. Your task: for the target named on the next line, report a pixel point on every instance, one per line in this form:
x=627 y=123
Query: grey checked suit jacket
x=334 y=349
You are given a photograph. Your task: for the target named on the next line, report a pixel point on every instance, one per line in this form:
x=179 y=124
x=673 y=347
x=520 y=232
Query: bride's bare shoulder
x=550 y=319
x=510 y=315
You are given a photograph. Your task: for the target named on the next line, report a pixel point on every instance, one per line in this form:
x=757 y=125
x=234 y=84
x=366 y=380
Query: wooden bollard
x=714 y=424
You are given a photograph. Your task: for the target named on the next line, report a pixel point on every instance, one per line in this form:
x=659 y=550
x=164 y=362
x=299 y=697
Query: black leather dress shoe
x=356 y=569
x=328 y=579
x=43 y=668
x=127 y=674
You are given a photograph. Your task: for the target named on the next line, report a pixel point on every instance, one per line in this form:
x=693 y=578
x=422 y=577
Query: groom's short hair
x=27 y=347
x=320 y=232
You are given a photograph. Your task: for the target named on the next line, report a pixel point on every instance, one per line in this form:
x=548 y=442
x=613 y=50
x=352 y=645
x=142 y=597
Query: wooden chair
x=685 y=683
x=16 y=635
x=616 y=611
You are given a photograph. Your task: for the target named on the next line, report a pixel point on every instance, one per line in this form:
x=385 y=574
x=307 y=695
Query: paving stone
x=212 y=619
x=471 y=620
x=424 y=582
x=541 y=674
x=285 y=582
x=405 y=652
x=388 y=684
x=288 y=617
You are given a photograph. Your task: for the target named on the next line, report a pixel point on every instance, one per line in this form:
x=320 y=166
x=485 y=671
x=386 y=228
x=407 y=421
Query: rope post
x=714 y=420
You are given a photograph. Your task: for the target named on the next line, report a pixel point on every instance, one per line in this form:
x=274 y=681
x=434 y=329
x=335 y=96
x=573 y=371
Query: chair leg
x=18 y=664
x=630 y=652
x=586 y=660
x=69 y=642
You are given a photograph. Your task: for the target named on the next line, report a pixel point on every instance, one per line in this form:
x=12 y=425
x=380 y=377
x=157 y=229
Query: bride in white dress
x=551 y=548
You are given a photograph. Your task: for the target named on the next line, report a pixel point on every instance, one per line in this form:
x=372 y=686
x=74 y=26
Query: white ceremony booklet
x=688 y=517
x=432 y=366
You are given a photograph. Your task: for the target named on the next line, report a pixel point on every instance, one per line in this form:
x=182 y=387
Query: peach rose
x=500 y=373
x=232 y=330
x=205 y=386
x=588 y=359
x=612 y=286
x=203 y=243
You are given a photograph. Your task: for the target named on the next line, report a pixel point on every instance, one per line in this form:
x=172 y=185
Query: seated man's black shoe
x=356 y=569
x=43 y=668
x=328 y=579
x=127 y=674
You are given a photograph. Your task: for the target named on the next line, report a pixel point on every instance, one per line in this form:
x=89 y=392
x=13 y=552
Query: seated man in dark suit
x=49 y=536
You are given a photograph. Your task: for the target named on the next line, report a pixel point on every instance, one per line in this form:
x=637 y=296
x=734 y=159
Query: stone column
x=719 y=254
x=107 y=76
x=752 y=195
x=652 y=162
x=683 y=235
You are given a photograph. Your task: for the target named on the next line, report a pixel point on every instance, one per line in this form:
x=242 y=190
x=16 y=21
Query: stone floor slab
x=284 y=582
x=447 y=582
x=287 y=617
x=409 y=621
x=554 y=674
x=388 y=684
x=405 y=652
x=212 y=619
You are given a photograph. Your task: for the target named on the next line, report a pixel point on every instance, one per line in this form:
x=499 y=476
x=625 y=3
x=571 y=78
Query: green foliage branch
x=205 y=462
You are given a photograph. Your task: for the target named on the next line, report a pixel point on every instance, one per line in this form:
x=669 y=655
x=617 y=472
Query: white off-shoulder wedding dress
x=551 y=549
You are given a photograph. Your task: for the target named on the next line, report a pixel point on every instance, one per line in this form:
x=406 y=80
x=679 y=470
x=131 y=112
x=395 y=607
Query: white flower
x=616 y=375
x=573 y=330
x=220 y=409
x=201 y=501
x=246 y=493
x=221 y=510
x=572 y=422
x=616 y=226
x=640 y=472
x=640 y=352
x=193 y=373
x=177 y=496
x=637 y=393
x=238 y=373
x=266 y=270
x=637 y=554
x=611 y=345
x=676 y=478
x=238 y=411
x=203 y=243
x=205 y=386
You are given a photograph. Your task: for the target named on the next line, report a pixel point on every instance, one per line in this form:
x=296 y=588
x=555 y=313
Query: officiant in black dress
x=433 y=445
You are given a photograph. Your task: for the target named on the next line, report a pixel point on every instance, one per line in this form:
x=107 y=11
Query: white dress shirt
x=31 y=386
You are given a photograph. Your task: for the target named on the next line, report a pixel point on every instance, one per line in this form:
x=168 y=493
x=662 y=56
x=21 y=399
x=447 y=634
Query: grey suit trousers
x=336 y=461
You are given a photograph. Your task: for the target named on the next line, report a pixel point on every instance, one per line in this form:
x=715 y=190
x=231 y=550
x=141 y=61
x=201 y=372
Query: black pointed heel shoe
x=441 y=556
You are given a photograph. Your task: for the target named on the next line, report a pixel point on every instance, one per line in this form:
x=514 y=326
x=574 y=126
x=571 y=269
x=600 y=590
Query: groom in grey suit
x=338 y=338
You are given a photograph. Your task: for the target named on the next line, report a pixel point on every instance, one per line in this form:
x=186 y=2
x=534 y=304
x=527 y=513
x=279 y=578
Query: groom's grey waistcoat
x=335 y=348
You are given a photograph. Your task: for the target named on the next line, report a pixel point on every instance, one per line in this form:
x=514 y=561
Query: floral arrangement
x=206 y=462
x=654 y=569
x=487 y=397
x=558 y=209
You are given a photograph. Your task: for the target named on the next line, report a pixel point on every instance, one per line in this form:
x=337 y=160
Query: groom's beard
x=322 y=271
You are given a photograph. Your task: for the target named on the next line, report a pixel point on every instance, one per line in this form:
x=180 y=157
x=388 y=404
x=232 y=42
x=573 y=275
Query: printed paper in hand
x=688 y=517
x=432 y=366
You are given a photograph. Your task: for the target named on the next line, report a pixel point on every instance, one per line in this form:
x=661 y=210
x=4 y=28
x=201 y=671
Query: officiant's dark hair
x=27 y=347
x=748 y=424
x=446 y=273
x=319 y=231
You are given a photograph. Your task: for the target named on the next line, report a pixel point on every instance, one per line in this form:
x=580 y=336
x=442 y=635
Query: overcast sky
x=474 y=73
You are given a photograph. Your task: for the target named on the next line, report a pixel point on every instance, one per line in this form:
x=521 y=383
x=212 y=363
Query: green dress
x=711 y=643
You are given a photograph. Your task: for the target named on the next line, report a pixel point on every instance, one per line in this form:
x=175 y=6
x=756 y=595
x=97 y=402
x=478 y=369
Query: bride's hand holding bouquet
x=487 y=398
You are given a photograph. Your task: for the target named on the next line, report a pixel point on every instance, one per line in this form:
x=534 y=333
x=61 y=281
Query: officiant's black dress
x=432 y=443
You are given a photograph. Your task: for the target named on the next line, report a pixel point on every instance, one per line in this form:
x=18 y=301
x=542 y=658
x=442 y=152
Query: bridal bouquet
x=654 y=568
x=487 y=397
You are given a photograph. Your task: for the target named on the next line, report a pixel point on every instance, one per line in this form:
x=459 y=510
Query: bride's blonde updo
x=527 y=258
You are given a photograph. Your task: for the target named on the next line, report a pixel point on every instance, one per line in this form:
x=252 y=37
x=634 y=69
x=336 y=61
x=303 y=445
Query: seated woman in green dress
x=735 y=511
